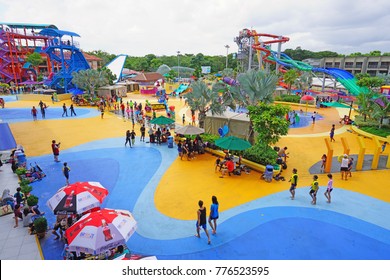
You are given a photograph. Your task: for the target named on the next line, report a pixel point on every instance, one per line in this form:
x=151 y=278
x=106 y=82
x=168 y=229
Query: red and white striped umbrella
x=99 y=231
x=77 y=198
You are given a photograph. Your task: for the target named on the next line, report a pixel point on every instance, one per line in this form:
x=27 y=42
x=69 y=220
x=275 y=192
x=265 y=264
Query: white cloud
x=162 y=27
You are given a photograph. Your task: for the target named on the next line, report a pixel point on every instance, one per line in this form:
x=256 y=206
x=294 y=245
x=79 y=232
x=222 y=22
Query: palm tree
x=365 y=101
x=90 y=79
x=381 y=109
x=304 y=81
x=255 y=86
x=290 y=77
x=203 y=99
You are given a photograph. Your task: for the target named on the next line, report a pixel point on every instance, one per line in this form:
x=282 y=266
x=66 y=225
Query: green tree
x=104 y=56
x=365 y=101
x=290 y=78
x=90 y=79
x=304 y=81
x=110 y=76
x=255 y=86
x=35 y=59
x=381 y=109
x=370 y=82
x=203 y=99
x=269 y=122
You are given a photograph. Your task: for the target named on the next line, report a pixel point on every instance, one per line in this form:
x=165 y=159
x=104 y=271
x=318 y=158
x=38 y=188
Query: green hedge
x=382 y=132
x=262 y=154
x=288 y=98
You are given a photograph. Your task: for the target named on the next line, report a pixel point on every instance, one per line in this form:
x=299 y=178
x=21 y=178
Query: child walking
x=323 y=159
x=201 y=221
x=214 y=215
x=314 y=190
x=65 y=171
x=294 y=182
x=329 y=189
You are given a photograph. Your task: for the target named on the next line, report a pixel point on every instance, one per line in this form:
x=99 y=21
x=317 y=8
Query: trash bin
x=268 y=173
x=170 y=141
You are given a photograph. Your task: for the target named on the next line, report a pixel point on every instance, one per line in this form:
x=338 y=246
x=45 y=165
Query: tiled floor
x=15 y=243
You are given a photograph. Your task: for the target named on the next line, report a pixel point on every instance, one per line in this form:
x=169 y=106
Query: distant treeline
x=151 y=62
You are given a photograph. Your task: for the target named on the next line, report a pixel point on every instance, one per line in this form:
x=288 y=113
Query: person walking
x=329 y=188
x=65 y=111
x=128 y=138
x=142 y=129
x=193 y=119
x=214 y=215
x=72 y=112
x=350 y=165
x=34 y=112
x=101 y=111
x=184 y=119
x=313 y=117
x=314 y=189
x=344 y=167
x=65 y=171
x=132 y=135
x=294 y=182
x=331 y=134
x=56 y=150
x=201 y=221
x=323 y=165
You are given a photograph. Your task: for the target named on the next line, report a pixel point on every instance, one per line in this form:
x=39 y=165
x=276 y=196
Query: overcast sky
x=163 y=27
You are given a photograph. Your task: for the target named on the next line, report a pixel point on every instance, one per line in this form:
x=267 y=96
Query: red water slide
x=260 y=44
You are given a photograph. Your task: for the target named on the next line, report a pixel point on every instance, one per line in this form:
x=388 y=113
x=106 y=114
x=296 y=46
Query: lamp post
x=227 y=53
x=178 y=65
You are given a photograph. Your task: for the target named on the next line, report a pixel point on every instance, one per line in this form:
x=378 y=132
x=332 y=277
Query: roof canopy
x=29 y=25
x=57 y=33
x=147 y=77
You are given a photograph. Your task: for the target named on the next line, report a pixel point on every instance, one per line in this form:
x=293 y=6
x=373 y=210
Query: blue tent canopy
x=57 y=33
x=7 y=140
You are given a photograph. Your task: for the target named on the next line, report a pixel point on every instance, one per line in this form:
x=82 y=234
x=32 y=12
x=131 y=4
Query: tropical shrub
x=261 y=153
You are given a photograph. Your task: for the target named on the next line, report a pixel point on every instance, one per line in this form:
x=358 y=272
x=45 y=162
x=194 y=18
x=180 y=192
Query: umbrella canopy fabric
x=233 y=143
x=307 y=98
x=77 y=198
x=189 y=130
x=335 y=104
x=161 y=120
x=99 y=231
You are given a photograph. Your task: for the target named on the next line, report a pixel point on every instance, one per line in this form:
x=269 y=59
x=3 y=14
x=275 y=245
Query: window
x=348 y=64
x=373 y=65
x=385 y=64
x=359 y=64
x=328 y=64
x=337 y=64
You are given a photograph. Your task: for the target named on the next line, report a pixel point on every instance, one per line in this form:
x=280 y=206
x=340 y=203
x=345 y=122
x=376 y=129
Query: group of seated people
x=159 y=136
x=27 y=214
x=230 y=165
x=188 y=147
x=118 y=252
x=345 y=120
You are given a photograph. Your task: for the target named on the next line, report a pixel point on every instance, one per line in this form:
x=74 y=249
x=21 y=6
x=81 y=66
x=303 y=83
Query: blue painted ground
x=8 y=98
x=12 y=115
x=305 y=119
x=273 y=227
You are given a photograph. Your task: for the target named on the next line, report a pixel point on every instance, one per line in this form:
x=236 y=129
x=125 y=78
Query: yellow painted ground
x=186 y=182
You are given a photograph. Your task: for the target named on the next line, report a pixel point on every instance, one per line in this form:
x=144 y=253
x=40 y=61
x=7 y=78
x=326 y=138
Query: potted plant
x=32 y=200
x=20 y=171
x=24 y=181
x=26 y=190
x=40 y=226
